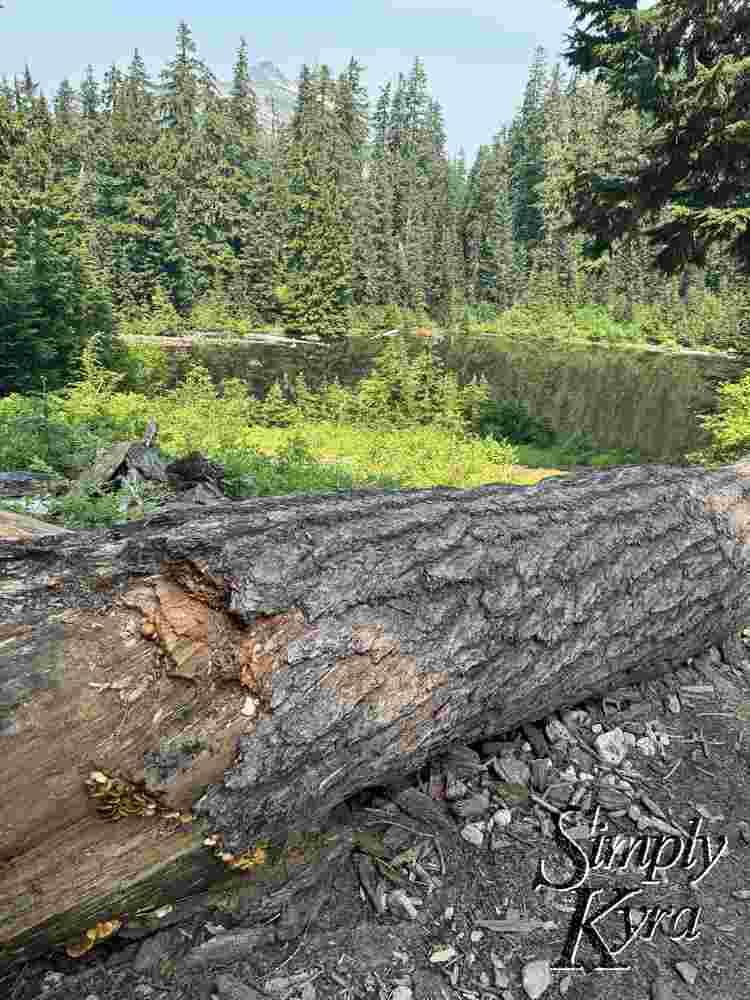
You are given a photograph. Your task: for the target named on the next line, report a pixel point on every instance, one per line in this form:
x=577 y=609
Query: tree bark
x=239 y=670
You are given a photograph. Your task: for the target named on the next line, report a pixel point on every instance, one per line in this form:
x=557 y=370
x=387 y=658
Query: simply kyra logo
x=652 y=856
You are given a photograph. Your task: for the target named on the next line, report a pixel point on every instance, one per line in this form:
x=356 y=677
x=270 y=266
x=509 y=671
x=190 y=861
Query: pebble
x=688 y=972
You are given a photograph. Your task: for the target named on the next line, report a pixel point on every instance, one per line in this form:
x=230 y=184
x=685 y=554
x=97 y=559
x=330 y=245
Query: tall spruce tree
x=527 y=155
x=318 y=233
x=243 y=107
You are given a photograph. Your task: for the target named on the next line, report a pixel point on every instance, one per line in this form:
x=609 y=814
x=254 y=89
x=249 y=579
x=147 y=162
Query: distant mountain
x=271 y=87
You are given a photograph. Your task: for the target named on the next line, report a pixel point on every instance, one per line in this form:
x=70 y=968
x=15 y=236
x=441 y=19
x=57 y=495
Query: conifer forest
x=619 y=191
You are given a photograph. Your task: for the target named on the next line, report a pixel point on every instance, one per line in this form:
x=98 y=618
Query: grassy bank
x=431 y=433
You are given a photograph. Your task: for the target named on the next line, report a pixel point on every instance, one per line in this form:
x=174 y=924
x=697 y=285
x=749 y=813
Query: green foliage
x=173 y=213
x=596 y=324
x=510 y=420
x=696 y=66
x=318 y=250
x=577 y=448
x=48 y=311
x=31 y=439
x=730 y=427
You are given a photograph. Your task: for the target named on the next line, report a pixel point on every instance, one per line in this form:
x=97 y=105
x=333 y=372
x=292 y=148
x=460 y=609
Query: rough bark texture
x=258 y=662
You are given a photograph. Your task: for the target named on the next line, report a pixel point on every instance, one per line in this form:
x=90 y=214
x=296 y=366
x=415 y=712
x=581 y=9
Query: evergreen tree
x=89 y=92
x=26 y=91
x=318 y=248
x=8 y=92
x=697 y=156
x=113 y=80
x=243 y=107
x=351 y=109
x=65 y=104
x=527 y=155
x=48 y=311
x=381 y=121
x=303 y=111
x=182 y=80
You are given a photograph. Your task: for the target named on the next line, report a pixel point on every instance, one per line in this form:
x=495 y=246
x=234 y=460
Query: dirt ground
x=476 y=921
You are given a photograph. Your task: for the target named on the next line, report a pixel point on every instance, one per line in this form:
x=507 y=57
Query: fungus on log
x=233 y=673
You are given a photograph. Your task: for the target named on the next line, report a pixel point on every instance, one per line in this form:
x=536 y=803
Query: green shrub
x=577 y=449
x=730 y=427
x=510 y=420
x=596 y=324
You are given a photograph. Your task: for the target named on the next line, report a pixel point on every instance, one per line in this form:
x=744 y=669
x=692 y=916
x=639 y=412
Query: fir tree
x=89 y=93
x=243 y=108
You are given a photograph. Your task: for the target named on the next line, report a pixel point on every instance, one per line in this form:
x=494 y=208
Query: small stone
x=556 y=732
x=536 y=978
x=400 y=993
x=612 y=747
x=511 y=769
x=573 y=718
x=688 y=972
x=473 y=834
x=443 y=955
x=502 y=818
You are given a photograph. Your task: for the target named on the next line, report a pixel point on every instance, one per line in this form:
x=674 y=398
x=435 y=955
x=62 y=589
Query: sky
x=476 y=57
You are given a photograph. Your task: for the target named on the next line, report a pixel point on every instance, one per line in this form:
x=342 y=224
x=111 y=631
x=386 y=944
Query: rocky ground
x=461 y=891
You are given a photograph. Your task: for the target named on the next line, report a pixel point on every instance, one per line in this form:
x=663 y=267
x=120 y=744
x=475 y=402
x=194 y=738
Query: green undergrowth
x=710 y=321
x=407 y=425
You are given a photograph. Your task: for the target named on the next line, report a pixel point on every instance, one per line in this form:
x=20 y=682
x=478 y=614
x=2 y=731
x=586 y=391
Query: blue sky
x=476 y=57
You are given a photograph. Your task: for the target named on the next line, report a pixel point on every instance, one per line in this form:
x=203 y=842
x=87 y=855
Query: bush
x=510 y=420
x=597 y=324
x=577 y=448
x=730 y=427
x=50 y=305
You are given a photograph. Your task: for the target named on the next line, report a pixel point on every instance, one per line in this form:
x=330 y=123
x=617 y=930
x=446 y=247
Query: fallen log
x=220 y=678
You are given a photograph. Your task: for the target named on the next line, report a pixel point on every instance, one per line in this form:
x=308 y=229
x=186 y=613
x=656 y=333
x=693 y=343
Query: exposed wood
x=255 y=663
